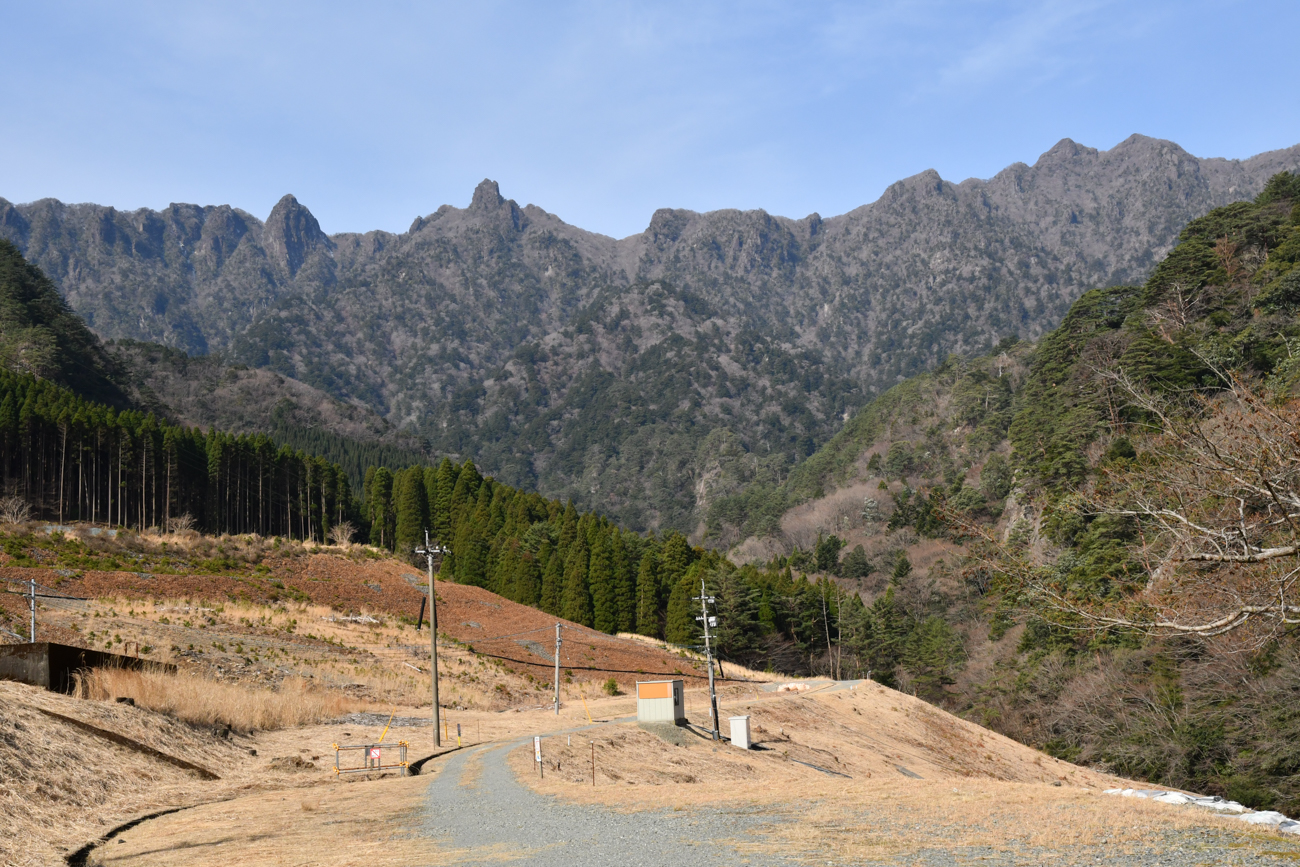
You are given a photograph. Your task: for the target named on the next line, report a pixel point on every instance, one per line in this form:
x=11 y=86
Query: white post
x=32 y=632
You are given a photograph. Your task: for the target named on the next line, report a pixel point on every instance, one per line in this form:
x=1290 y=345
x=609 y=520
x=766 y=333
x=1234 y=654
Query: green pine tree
x=933 y=652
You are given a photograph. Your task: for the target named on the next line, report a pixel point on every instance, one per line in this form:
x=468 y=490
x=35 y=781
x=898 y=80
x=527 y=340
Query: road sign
x=537 y=749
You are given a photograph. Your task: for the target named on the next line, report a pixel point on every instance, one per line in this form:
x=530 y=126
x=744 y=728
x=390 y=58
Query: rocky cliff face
x=600 y=368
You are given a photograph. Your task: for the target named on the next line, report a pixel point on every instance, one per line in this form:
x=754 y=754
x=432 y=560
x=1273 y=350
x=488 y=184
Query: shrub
x=611 y=687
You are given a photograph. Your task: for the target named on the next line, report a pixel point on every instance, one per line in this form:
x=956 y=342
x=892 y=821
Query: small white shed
x=660 y=701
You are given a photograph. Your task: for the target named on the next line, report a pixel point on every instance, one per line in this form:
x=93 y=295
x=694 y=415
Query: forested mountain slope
x=495 y=330
x=1134 y=475
x=40 y=336
x=208 y=392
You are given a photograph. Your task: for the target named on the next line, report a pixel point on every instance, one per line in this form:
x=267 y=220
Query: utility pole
x=705 y=601
x=430 y=551
x=557 y=669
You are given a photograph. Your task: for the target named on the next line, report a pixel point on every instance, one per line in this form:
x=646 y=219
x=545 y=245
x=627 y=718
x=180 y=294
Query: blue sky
x=375 y=113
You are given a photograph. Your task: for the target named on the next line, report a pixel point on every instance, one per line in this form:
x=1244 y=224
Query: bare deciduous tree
x=14 y=510
x=1214 y=501
x=181 y=523
x=342 y=533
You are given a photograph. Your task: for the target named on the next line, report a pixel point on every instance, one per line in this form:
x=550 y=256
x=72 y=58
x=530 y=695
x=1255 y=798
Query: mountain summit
x=634 y=374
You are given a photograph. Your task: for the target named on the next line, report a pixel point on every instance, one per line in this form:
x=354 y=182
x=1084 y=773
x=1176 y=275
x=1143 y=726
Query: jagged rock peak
x=490 y=208
x=927 y=182
x=292 y=234
x=1066 y=149
x=487 y=196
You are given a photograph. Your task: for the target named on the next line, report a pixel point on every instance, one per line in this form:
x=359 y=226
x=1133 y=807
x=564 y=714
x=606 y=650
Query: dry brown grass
x=375 y=823
x=978 y=789
x=201 y=701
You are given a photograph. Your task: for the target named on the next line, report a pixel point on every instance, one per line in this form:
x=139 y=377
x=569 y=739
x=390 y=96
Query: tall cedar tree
x=552 y=580
x=412 y=518
x=648 y=621
x=600 y=578
x=575 y=599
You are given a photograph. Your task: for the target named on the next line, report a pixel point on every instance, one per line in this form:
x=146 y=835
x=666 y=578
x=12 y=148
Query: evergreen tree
x=440 y=507
x=464 y=494
x=552 y=579
x=739 y=633
x=568 y=529
x=933 y=651
x=889 y=630
x=528 y=580
x=625 y=599
x=471 y=545
x=680 y=625
x=600 y=578
x=648 y=621
x=380 y=511
x=411 y=503
x=674 y=558
x=575 y=601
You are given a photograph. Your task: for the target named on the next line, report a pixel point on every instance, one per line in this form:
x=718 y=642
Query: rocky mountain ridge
x=501 y=332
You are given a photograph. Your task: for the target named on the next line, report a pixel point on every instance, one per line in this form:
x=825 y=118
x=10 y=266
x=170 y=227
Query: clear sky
x=373 y=113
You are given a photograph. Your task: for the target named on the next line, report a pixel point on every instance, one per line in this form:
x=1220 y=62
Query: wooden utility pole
x=430 y=551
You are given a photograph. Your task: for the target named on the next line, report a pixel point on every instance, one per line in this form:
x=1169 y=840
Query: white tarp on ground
x=1214 y=802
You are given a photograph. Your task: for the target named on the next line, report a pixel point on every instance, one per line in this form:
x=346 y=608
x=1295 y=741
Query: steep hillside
x=208 y=392
x=488 y=329
x=1080 y=455
x=41 y=337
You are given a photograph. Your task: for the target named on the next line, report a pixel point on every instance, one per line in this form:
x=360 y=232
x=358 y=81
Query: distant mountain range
x=646 y=376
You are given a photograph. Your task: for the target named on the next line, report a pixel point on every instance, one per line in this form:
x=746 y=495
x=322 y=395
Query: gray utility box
x=660 y=701
x=52 y=665
x=740 y=732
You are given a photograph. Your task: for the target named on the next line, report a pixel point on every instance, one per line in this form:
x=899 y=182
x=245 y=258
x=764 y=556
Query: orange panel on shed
x=654 y=690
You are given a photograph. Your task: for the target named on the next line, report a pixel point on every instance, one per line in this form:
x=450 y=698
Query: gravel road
x=495 y=818
x=492 y=817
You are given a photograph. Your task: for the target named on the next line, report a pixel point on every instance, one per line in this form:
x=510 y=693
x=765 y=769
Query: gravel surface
x=497 y=817
x=494 y=817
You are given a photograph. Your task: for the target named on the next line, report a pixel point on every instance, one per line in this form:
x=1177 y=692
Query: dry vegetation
x=275 y=670
x=971 y=787
x=202 y=701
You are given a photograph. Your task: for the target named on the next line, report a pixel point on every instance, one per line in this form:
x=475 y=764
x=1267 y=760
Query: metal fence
x=373 y=758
